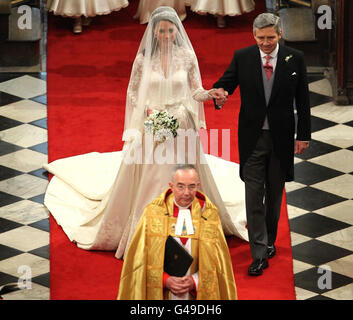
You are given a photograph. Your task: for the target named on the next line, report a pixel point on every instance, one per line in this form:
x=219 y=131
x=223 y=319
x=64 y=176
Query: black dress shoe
x=257 y=267
x=271 y=251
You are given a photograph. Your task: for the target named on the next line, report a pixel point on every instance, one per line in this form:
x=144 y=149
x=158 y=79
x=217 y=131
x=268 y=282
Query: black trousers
x=264 y=183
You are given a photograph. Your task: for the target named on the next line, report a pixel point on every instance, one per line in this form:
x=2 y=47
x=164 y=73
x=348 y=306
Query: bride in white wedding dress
x=98 y=198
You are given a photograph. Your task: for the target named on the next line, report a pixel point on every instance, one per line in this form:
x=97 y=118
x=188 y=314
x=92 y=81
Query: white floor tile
x=25 y=87
x=341 y=186
x=297 y=160
x=342 y=211
x=24 y=212
x=339 y=135
x=25 y=238
x=342 y=293
x=321 y=87
x=303 y=294
x=25 y=186
x=342 y=238
x=295 y=212
x=331 y=112
x=24 y=135
x=342 y=266
x=299 y=266
x=297 y=238
x=291 y=186
x=25 y=265
x=341 y=160
x=24 y=160
x=24 y=111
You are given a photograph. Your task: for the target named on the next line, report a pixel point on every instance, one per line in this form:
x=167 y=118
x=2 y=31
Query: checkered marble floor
x=320 y=200
x=24 y=221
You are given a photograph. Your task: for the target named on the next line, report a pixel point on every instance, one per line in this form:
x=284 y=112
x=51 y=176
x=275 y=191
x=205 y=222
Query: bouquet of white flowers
x=162 y=125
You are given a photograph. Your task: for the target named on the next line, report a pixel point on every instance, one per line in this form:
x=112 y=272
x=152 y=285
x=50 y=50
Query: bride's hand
x=220 y=95
x=148 y=111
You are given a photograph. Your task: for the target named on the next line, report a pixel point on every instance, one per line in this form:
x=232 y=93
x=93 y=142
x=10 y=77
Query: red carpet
x=87 y=81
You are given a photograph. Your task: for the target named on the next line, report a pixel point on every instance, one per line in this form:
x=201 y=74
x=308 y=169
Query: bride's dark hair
x=163 y=14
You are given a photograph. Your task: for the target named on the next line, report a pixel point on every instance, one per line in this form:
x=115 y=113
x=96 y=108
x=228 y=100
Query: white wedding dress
x=98 y=198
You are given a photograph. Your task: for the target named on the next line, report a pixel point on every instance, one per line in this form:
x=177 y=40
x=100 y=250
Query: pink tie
x=268 y=67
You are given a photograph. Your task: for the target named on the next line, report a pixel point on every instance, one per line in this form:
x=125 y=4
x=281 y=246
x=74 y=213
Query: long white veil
x=164 y=49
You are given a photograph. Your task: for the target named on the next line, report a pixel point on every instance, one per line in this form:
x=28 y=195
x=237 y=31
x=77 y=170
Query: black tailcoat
x=290 y=84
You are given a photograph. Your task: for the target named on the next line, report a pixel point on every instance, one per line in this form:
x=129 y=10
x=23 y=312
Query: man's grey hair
x=265 y=20
x=183 y=167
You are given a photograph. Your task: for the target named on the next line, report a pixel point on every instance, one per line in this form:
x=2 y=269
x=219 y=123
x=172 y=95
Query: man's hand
x=220 y=95
x=300 y=146
x=180 y=285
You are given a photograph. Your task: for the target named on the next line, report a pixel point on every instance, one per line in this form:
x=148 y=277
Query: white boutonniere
x=288 y=57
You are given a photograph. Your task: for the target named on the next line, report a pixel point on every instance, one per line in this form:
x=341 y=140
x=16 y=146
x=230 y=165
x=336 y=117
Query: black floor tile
x=317 y=99
x=40 y=173
x=311 y=199
x=320 y=297
x=8 y=252
x=7 y=173
x=312 y=77
x=42 y=279
x=350 y=148
x=317 y=252
x=6 y=98
x=320 y=124
x=6 y=148
x=310 y=173
x=320 y=282
x=6 y=199
x=7 y=225
x=42 y=148
x=7 y=123
x=40 y=99
x=42 y=123
x=316 y=149
x=6 y=278
x=42 y=225
x=350 y=123
x=315 y=225
x=38 y=75
x=6 y=76
x=43 y=252
x=38 y=199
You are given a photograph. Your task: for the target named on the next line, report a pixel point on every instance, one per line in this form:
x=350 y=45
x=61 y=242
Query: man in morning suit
x=272 y=80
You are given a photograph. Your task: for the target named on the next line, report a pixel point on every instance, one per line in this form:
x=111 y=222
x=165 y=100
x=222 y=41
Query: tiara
x=166 y=14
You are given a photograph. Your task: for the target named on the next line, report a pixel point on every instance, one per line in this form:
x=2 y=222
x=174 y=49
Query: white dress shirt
x=273 y=54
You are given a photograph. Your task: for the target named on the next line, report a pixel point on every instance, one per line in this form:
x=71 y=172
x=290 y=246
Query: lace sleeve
x=197 y=91
x=132 y=91
x=135 y=79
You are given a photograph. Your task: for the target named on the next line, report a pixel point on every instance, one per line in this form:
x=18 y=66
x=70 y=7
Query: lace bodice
x=182 y=83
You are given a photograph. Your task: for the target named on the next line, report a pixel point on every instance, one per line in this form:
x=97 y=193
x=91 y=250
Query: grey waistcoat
x=268 y=84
